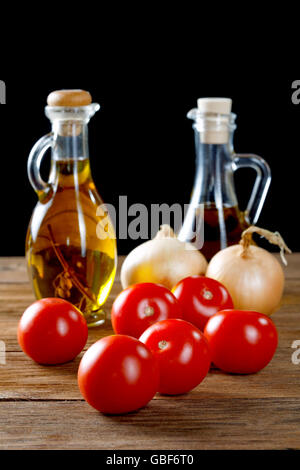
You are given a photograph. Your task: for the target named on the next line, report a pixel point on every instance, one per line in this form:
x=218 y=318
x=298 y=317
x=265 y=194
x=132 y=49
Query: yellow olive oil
x=65 y=256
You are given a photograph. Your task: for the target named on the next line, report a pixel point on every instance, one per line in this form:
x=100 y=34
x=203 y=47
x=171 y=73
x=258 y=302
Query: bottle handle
x=261 y=185
x=34 y=162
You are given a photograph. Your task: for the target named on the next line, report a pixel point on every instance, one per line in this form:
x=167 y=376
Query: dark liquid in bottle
x=235 y=224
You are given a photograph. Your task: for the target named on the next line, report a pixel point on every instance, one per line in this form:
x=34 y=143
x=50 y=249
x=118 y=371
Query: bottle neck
x=71 y=140
x=214 y=184
x=70 y=166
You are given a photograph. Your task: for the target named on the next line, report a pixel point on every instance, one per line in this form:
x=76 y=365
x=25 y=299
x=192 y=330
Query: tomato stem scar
x=162 y=344
x=207 y=294
x=149 y=311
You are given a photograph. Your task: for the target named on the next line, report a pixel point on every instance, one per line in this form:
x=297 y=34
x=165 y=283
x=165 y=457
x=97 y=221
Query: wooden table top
x=41 y=407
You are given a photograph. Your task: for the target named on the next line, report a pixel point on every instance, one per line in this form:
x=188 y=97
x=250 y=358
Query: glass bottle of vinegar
x=213 y=220
x=70 y=245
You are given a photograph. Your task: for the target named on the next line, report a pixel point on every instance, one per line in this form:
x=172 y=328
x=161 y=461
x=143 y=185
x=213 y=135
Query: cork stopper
x=215 y=105
x=215 y=115
x=69 y=98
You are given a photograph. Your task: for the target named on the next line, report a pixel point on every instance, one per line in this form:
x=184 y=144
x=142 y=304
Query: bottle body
x=65 y=257
x=235 y=224
x=220 y=222
x=70 y=245
x=214 y=190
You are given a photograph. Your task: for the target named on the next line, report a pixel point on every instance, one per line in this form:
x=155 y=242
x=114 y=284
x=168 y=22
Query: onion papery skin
x=253 y=277
x=162 y=261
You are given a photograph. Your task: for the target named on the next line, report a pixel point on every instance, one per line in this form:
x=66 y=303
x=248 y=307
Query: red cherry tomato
x=182 y=352
x=200 y=298
x=52 y=331
x=141 y=305
x=241 y=342
x=118 y=374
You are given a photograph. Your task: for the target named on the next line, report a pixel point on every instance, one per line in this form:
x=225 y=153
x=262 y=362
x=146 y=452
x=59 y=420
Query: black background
x=142 y=144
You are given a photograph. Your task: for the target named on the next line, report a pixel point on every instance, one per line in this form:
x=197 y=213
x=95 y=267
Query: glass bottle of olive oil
x=70 y=245
x=221 y=222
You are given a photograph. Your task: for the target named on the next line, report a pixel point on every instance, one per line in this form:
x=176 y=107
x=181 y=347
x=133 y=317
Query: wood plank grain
x=210 y=423
x=14 y=300
x=292 y=271
x=13 y=269
x=22 y=379
x=41 y=407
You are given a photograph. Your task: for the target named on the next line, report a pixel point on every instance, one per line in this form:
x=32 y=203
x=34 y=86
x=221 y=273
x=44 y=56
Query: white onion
x=253 y=276
x=163 y=260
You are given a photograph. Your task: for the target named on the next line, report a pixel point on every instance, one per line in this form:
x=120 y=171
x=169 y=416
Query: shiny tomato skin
x=118 y=374
x=140 y=306
x=200 y=298
x=52 y=331
x=241 y=342
x=182 y=352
